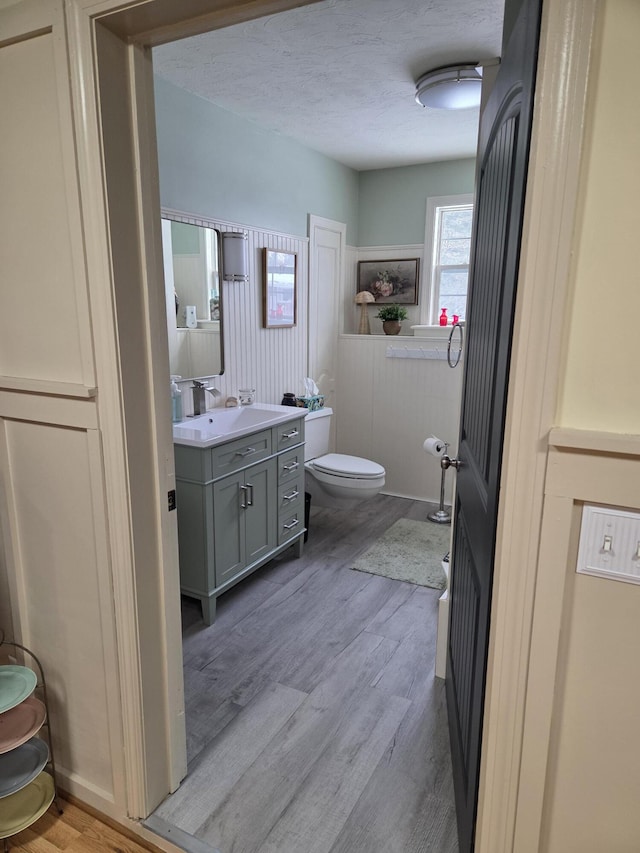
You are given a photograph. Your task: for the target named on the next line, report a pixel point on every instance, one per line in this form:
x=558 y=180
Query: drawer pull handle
x=246 y=452
x=291 y=434
x=291 y=466
x=243 y=492
x=250 y=499
x=291 y=496
x=292 y=524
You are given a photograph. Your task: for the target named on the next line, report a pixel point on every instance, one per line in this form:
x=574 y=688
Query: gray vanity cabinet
x=239 y=504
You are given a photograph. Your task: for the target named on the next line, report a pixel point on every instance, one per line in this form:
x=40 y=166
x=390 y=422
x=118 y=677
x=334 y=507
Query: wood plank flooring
x=314 y=721
x=76 y=830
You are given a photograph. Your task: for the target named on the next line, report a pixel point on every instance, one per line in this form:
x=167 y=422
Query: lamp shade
x=364 y=296
x=234 y=256
x=453 y=87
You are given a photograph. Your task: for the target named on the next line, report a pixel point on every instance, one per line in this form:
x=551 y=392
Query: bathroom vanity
x=240 y=495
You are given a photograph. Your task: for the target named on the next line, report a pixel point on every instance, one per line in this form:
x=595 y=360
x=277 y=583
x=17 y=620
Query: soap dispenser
x=176 y=400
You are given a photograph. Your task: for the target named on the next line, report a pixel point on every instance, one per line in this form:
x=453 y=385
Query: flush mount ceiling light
x=453 y=87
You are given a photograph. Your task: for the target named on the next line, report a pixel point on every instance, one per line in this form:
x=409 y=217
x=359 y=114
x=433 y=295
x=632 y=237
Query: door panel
x=260 y=515
x=228 y=522
x=327 y=240
x=502 y=167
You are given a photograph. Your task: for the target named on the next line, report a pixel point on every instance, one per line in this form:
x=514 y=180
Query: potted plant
x=392 y=316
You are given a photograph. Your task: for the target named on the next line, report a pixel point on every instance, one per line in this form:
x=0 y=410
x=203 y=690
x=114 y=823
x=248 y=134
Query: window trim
x=430 y=309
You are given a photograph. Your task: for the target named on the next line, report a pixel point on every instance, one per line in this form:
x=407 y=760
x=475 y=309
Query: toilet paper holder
x=441 y=515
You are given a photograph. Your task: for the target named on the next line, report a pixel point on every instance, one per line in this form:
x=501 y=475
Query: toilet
x=334 y=479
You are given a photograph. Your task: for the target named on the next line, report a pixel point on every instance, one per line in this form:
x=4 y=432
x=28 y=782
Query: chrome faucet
x=199 y=397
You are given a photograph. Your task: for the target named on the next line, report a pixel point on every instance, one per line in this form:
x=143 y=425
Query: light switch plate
x=610 y=543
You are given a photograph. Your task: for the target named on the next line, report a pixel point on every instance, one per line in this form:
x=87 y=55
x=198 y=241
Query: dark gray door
x=502 y=169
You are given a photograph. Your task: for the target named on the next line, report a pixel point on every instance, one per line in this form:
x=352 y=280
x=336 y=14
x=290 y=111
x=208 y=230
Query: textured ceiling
x=339 y=76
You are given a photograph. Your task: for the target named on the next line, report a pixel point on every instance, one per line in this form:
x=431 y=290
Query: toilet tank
x=317 y=428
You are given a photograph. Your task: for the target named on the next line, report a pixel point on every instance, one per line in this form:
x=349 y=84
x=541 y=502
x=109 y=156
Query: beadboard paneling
x=387 y=407
x=270 y=360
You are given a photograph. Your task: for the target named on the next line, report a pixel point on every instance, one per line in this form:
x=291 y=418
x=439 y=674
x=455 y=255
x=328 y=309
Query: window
x=449 y=221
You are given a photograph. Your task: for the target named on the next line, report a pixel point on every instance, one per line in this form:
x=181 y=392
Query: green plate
x=24 y=808
x=16 y=684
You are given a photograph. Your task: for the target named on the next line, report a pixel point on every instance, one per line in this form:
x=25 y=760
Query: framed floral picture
x=390 y=281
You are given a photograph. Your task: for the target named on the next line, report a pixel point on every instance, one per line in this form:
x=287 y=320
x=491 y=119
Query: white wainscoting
x=53 y=523
x=386 y=407
x=270 y=360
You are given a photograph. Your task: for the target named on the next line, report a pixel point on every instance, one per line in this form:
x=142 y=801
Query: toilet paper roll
x=434 y=446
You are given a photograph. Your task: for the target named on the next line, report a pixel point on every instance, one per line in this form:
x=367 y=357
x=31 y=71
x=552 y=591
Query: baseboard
x=130 y=829
x=443 y=630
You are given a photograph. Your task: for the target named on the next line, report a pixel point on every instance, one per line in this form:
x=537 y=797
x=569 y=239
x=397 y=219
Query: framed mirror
x=279 y=302
x=193 y=294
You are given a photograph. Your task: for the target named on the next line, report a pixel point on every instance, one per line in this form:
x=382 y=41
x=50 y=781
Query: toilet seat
x=349 y=467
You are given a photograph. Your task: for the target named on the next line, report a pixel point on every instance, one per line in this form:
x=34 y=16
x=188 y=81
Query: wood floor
x=73 y=831
x=315 y=723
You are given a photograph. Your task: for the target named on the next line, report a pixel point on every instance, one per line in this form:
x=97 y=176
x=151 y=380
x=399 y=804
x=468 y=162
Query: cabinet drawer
x=290 y=465
x=290 y=525
x=237 y=454
x=290 y=497
x=288 y=435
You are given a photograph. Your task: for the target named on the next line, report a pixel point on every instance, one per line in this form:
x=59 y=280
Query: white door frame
x=325 y=301
x=552 y=195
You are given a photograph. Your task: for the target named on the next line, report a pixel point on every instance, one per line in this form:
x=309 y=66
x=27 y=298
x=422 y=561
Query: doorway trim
x=537 y=358
x=552 y=197
x=333 y=245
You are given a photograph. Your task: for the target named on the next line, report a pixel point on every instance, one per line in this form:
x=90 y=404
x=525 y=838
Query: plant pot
x=391 y=327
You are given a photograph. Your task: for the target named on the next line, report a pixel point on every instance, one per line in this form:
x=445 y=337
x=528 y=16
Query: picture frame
x=279 y=289
x=390 y=280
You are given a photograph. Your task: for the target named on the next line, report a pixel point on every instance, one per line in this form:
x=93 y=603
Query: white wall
x=602 y=381
x=53 y=524
x=593 y=780
x=388 y=406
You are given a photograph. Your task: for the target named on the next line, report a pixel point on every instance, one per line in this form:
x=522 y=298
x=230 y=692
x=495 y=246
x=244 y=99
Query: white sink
x=220 y=425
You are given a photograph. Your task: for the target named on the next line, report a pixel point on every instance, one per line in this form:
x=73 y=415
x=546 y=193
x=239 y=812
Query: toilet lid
x=348 y=466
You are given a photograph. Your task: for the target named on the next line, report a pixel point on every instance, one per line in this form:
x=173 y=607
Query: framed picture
x=390 y=281
x=279 y=279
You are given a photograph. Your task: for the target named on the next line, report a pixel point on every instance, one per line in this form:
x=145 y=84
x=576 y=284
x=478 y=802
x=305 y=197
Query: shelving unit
x=27 y=768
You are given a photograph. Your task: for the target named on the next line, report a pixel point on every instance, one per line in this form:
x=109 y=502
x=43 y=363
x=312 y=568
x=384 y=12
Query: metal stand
x=42 y=686
x=441 y=515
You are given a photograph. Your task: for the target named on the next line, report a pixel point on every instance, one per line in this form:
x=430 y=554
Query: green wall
x=215 y=164
x=393 y=202
x=218 y=165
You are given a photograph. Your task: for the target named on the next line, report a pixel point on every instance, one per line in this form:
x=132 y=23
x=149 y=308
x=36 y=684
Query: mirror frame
x=267 y=321
x=203 y=222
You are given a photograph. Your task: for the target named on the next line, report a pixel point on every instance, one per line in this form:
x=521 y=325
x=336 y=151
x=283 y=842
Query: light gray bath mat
x=409 y=551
